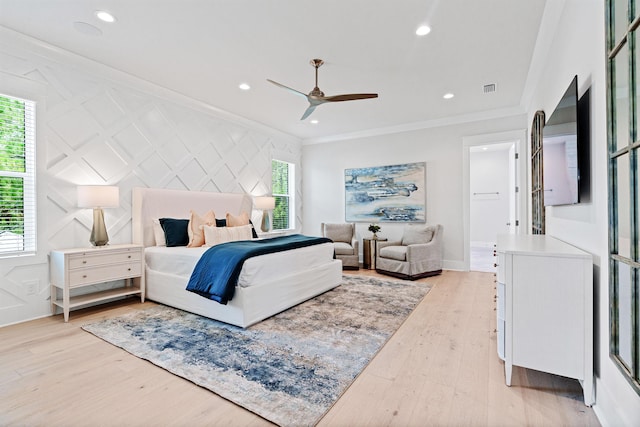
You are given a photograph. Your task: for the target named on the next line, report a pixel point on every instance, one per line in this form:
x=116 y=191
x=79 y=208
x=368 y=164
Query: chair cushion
x=414 y=234
x=339 y=232
x=394 y=252
x=342 y=248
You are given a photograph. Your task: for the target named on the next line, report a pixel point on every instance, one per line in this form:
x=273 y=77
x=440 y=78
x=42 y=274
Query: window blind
x=281 y=189
x=17 y=176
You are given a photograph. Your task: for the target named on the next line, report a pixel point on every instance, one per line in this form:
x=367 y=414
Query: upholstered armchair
x=344 y=242
x=418 y=254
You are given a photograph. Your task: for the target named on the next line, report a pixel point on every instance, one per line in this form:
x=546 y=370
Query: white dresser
x=545 y=308
x=80 y=267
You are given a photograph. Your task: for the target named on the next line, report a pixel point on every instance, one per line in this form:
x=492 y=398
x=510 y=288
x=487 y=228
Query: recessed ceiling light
x=448 y=95
x=244 y=86
x=105 y=16
x=485 y=148
x=423 y=30
x=314 y=122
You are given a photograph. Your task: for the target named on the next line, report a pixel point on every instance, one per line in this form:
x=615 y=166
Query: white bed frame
x=249 y=304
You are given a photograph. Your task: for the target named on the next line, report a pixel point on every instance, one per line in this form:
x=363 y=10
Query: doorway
x=493 y=196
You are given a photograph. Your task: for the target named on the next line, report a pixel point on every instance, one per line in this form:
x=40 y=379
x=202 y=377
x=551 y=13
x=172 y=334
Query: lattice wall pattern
x=100 y=130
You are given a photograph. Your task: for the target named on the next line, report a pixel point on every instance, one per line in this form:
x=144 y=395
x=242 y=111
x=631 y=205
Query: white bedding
x=278 y=281
x=180 y=261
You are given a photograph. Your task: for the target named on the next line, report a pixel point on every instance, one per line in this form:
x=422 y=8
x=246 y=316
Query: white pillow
x=215 y=235
x=158 y=233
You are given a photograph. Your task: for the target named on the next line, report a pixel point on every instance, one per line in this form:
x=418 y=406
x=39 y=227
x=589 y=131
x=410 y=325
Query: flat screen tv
x=561 y=175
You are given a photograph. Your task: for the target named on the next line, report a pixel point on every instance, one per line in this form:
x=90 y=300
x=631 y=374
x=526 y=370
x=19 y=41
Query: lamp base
x=99 y=235
x=266 y=221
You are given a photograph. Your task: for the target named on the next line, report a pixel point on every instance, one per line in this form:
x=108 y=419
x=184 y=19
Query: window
x=282 y=189
x=17 y=176
x=623 y=121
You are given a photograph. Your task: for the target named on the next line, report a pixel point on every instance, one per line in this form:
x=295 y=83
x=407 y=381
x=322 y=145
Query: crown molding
x=428 y=124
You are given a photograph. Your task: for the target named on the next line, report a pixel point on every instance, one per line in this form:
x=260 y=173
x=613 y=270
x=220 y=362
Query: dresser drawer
x=96 y=259
x=105 y=273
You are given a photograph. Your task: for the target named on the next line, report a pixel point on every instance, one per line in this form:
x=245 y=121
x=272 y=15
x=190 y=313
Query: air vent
x=490 y=88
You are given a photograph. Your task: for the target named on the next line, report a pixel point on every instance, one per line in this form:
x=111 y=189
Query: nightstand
x=76 y=268
x=369 y=252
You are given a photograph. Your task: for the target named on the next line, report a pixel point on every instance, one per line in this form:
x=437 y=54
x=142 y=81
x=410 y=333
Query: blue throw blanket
x=216 y=273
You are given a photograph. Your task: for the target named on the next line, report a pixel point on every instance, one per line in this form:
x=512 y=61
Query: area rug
x=289 y=369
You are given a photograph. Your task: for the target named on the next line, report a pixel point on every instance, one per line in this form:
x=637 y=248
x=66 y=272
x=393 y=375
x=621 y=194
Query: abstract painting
x=394 y=193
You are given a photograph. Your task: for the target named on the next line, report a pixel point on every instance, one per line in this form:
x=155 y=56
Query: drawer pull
x=84 y=276
x=129 y=256
x=84 y=261
x=129 y=269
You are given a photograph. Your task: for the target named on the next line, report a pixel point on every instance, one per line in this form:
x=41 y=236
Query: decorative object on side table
x=374 y=228
x=266 y=204
x=98 y=197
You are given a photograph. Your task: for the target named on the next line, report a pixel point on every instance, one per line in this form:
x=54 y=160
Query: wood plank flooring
x=440 y=368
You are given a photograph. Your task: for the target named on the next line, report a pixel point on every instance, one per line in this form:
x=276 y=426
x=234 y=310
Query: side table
x=80 y=267
x=369 y=251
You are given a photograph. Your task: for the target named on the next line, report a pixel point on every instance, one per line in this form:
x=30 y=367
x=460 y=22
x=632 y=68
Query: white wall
x=440 y=147
x=101 y=126
x=576 y=46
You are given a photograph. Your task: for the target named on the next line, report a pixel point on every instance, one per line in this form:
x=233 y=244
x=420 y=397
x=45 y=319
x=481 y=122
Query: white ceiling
x=205 y=48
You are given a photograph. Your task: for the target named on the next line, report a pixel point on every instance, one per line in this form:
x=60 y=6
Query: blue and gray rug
x=290 y=368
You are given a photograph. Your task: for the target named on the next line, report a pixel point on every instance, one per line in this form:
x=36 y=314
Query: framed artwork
x=394 y=193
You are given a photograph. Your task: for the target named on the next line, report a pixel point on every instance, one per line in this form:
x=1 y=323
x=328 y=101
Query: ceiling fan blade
x=288 y=88
x=350 y=97
x=308 y=112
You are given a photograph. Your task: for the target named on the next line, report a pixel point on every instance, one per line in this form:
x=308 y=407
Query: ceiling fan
x=316 y=96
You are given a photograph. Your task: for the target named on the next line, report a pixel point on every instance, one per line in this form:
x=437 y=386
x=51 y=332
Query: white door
x=493 y=199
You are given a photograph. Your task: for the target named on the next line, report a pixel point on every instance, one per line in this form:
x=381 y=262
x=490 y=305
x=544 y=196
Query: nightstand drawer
x=87 y=276
x=97 y=258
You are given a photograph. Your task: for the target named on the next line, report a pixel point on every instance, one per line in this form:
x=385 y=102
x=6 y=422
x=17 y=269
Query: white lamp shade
x=264 y=203
x=98 y=196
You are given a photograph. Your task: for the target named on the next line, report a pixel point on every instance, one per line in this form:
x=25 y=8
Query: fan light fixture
x=317 y=97
x=244 y=86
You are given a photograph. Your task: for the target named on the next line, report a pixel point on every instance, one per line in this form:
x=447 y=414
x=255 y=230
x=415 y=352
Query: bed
x=268 y=284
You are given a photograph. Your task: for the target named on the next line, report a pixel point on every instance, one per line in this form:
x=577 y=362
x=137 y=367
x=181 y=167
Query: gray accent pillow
x=414 y=234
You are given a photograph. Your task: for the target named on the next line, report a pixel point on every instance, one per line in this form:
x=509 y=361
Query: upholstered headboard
x=151 y=203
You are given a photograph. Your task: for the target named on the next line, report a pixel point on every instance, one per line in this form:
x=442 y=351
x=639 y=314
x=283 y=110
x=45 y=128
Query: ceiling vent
x=490 y=88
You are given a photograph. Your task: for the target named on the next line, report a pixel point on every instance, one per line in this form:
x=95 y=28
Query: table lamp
x=266 y=204
x=98 y=197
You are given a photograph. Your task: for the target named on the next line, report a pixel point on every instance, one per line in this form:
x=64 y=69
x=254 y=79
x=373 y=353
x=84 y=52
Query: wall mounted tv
x=560 y=165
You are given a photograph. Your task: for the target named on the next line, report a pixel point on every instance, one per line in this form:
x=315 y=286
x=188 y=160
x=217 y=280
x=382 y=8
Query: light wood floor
x=440 y=368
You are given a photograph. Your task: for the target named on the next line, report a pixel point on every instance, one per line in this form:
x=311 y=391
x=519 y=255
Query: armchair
x=345 y=243
x=417 y=255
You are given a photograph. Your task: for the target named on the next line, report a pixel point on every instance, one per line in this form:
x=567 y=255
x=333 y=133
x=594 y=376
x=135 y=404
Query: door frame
x=519 y=139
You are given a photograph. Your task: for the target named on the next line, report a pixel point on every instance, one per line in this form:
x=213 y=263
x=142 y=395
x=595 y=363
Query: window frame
x=628 y=258
x=28 y=176
x=290 y=196
x=24 y=88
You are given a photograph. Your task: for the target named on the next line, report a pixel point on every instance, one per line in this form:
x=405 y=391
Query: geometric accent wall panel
x=103 y=127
